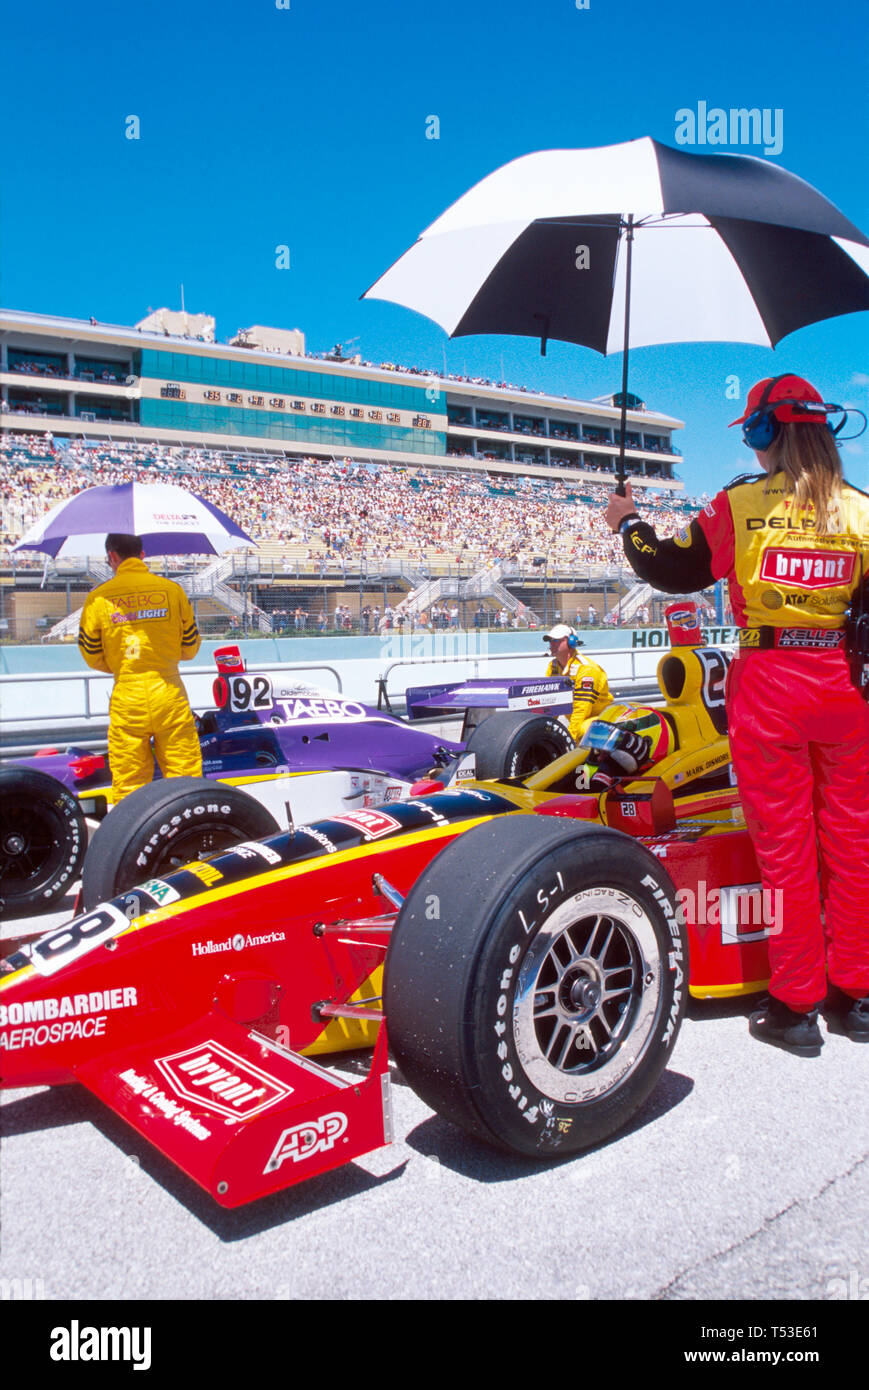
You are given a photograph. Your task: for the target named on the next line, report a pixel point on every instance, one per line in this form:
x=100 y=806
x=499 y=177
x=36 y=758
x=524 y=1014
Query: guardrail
x=89 y=678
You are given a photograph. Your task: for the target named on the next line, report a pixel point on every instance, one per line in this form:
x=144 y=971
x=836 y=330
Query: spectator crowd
x=329 y=513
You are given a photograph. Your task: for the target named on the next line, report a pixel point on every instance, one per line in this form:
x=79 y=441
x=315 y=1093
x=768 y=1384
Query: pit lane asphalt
x=746 y=1175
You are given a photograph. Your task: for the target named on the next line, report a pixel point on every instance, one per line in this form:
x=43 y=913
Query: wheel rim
x=30 y=849
x=200 y=843
x=587 y=995
x=537 y=756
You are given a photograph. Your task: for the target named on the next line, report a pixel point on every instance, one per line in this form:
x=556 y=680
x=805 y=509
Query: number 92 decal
x=240 y=693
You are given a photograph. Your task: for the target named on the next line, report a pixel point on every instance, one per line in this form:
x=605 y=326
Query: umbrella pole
x=620 y=465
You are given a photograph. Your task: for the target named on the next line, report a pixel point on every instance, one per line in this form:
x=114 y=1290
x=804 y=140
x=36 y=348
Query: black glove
x=633 y=751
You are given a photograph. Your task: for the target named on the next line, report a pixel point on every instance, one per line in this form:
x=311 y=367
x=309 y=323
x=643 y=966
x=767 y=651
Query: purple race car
x=282 y=753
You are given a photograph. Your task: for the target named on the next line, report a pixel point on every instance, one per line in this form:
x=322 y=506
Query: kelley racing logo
x=304 y=1140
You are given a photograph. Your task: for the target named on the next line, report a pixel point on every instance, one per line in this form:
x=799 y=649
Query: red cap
x=787 y=388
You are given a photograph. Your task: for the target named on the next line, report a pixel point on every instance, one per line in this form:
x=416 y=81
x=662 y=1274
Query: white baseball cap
x=560 y=630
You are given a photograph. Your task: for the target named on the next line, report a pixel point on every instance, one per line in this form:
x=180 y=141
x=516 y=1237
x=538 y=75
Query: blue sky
x=306 y=127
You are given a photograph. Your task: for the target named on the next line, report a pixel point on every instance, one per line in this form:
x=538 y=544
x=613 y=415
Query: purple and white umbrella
x=170 y=521
x=634 y=244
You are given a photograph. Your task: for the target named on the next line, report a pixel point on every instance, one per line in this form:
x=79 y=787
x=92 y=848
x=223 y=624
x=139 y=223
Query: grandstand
x=494 y=492
x=329 y=533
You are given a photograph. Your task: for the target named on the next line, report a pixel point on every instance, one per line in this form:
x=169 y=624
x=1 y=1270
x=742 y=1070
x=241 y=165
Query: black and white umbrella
x=717 y=248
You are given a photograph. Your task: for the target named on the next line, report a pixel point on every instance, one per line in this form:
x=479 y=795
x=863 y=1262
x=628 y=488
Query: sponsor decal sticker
x=810 y=637
x=238 y=942
x=304 y=710
x=211 y=1076
x=304 y=1140
x=373 y=824
x=178 y=1114
x=60 y=948
x=206 y=872
x=808 y=569
x=253 y=849
x=328 y=845
x=60 y=1020
x=160 y=891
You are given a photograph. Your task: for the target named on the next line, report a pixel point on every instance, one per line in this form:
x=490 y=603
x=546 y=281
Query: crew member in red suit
x=793 y=543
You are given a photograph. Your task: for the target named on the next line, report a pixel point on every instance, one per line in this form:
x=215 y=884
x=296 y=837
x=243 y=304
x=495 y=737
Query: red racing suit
x=799 y=728
x=139 y=626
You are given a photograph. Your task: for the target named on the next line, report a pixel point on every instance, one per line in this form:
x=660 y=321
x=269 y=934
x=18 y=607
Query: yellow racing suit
x=591 y=692
x=138 y=626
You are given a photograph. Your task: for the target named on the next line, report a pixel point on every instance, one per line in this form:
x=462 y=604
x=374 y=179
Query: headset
x=761 y=427
x=572 y=641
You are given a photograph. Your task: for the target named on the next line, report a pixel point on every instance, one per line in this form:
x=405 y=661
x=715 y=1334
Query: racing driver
x=793 y=543
x=591 y=692
x=138 y=626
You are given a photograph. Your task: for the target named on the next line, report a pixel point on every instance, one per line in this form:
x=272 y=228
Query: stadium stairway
x=207 y=584
x=486 y=583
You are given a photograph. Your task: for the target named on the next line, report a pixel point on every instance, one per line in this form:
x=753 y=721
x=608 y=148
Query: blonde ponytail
x=809 y=459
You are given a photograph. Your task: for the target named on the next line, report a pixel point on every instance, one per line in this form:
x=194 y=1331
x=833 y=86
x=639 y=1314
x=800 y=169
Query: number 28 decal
x=240 y=693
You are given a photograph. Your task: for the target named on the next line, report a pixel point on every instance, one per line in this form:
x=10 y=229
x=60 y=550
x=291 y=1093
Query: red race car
x=539 y=938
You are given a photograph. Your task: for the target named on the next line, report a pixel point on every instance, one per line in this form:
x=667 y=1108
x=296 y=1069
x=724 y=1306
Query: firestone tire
x=165 y=825
x=43 y=838
x=515 y=744
x=535 y=983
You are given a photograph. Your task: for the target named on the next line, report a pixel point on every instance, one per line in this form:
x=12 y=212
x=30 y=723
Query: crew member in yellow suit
x=591 y=692
x=138 y=626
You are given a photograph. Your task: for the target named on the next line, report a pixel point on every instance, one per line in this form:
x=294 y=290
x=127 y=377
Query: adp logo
x=305 y=1140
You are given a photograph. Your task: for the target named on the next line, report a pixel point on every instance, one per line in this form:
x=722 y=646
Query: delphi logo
x=76 y=1343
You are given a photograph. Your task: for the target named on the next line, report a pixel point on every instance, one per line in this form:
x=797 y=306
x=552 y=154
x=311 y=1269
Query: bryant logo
x=808 y=569
x=373 y=824
x=210 y=1076
x=305 y=1140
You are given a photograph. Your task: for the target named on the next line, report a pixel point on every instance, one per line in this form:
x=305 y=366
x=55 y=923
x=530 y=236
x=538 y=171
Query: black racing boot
x=774 y=1022
x=844 y=1014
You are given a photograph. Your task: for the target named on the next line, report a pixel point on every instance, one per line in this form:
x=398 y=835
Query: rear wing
x=553 y=694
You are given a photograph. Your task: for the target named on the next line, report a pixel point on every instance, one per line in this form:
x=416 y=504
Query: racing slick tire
x=535 y=983
x=164 y=825
x=43 y=838
x=515 y=744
